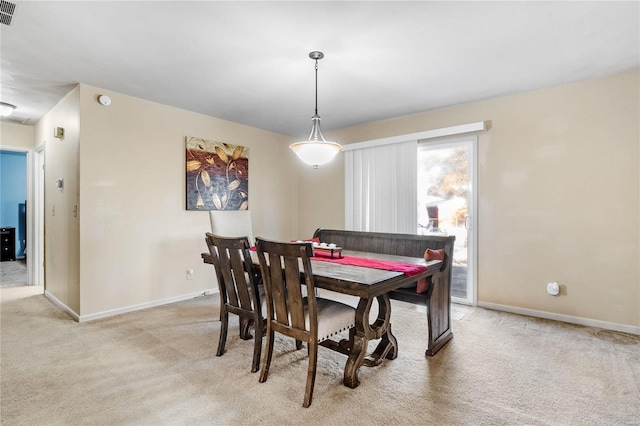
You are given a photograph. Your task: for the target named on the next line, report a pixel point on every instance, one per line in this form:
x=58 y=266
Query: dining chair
x=239 y=290
x=286 y=268
x=228 y=223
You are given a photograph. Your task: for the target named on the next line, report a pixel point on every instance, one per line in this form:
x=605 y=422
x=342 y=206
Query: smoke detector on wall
x=104 y=100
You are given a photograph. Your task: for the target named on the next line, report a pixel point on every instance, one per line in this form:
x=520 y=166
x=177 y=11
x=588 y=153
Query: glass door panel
x=445 y=205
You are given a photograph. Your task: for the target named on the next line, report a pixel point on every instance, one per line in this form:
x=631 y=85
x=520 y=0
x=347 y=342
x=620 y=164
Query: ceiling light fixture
x=316 y=151
x=6 y=109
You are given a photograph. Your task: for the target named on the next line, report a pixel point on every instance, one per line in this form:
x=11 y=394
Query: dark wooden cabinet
x=8 y=236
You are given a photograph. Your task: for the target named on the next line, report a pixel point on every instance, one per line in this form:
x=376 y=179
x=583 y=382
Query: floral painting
x=217 y=175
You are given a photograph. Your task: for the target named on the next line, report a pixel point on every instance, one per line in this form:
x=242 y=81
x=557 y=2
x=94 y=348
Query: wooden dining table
x=368 y=284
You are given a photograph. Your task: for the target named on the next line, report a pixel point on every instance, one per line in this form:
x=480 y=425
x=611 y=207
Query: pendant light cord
x=316 y=87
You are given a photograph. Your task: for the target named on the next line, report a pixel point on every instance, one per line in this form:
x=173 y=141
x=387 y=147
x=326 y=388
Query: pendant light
x=316 y=151
x=6 y=109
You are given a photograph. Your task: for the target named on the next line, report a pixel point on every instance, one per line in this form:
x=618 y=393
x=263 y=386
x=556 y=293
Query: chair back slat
x=296 y=310
x=228 y=282
x=239 y=267
x=278 y=298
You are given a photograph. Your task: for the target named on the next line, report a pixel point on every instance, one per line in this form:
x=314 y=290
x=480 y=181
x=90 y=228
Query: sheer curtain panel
x=381 y=188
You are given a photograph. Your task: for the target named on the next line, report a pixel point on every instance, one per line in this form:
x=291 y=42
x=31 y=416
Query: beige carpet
x=157 y=367
x=13 y=273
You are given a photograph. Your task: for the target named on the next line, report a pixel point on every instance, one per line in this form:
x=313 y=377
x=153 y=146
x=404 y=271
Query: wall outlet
x=189 y=274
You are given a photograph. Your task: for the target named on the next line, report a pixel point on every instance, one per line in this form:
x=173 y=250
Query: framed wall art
x=217 y=175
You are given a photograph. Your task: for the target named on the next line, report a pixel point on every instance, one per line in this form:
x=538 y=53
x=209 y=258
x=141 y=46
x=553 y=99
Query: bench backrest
x=389 y=243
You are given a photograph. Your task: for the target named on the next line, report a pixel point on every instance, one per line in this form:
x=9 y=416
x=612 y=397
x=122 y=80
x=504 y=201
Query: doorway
x=447 y=205
x=31 y=240
x=13 y=216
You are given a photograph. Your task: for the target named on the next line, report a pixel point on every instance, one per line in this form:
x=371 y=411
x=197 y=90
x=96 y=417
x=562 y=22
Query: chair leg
x=311 y=373
x=224 y=326
x=245 y=324
x=266 y=359
x=257 y=345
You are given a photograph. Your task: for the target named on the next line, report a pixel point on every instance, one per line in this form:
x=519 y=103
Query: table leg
x=356 y=357
x=365 y=331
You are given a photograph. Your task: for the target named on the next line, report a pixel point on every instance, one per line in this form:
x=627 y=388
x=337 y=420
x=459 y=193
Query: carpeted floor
x=13 y=273
x=157 y=367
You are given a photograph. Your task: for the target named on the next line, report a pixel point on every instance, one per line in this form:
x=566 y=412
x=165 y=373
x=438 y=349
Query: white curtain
x=381 y=188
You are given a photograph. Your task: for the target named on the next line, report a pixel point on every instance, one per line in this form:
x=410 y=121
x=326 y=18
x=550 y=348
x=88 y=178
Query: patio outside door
x=446 y=205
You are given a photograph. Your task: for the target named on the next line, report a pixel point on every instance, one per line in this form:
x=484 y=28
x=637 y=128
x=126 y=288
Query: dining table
x=368 y=284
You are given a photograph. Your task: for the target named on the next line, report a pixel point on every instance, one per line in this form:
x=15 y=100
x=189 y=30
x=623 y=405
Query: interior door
x=447 y=205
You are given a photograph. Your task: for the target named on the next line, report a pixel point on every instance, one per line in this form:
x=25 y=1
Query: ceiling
x=248 y=62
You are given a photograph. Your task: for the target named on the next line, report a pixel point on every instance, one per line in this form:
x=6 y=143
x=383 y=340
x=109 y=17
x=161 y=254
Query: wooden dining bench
x=437 y=297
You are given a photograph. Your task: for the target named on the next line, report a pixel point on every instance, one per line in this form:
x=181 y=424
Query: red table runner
x=407 y=268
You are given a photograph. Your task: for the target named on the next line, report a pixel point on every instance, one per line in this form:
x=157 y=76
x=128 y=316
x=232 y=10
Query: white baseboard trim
x=624 y=328
x=62 y=305
x=132 y=308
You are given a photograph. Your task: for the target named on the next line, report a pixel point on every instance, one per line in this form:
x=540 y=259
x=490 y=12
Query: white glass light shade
x=316 y=153
x=6 y=109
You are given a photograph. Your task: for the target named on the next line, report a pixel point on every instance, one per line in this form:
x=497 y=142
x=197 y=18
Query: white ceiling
x=248 y=62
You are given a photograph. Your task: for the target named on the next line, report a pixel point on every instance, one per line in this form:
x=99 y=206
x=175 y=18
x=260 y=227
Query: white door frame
x=471 y=142
x=38 y=217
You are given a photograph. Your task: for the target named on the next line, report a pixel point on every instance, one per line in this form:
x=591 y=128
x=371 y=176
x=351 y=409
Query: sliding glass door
x=446 y=204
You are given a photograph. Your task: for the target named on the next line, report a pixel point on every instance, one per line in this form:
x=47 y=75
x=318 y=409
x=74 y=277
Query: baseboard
x=132 y=308
x=624 y=328
x=62 y=306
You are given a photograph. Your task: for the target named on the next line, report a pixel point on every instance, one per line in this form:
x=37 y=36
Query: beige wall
x=559 y=191
x=16 y=135
x=62 y=259
x=136 y=238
